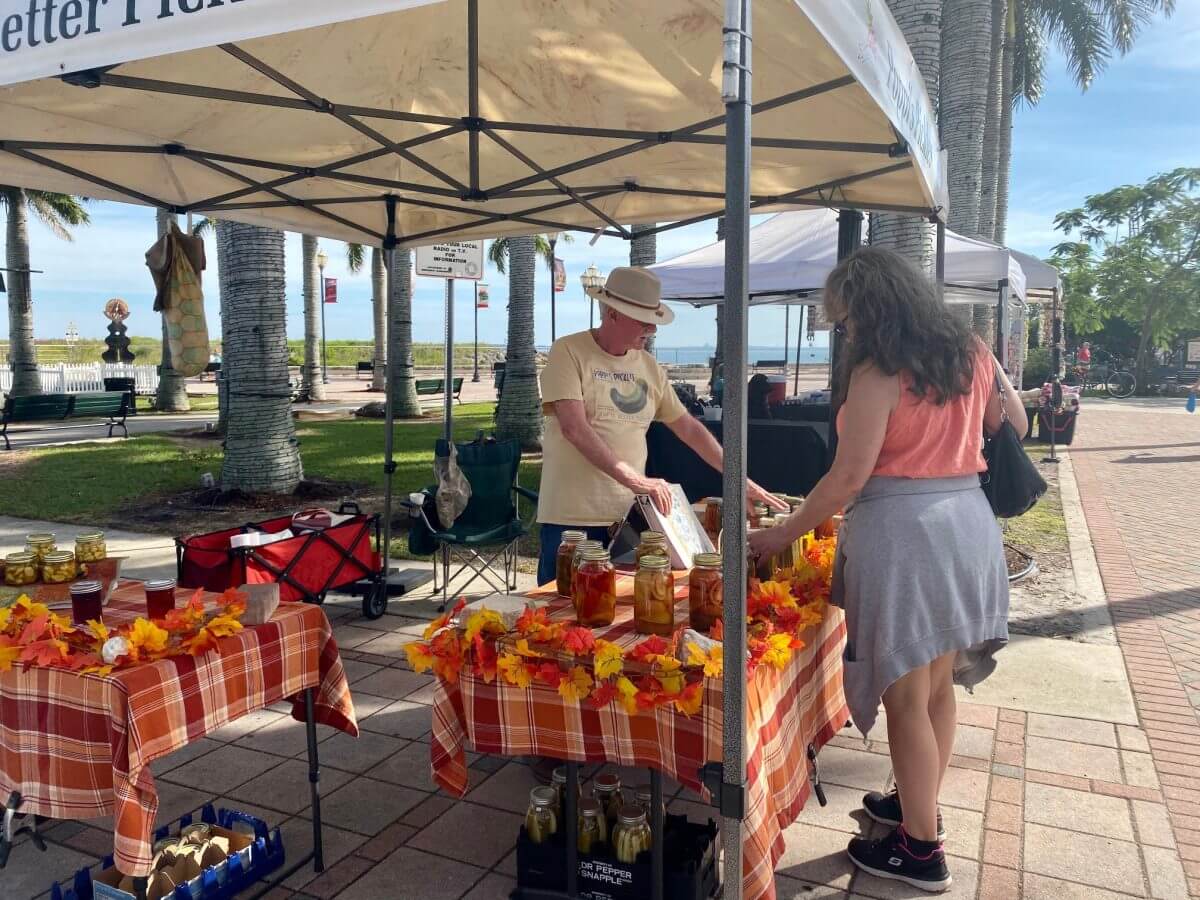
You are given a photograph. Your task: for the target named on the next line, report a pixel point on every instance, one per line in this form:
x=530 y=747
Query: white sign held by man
x=451 y=259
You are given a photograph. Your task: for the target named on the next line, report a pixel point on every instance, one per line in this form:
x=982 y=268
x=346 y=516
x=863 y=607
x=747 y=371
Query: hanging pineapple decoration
x=116 y=311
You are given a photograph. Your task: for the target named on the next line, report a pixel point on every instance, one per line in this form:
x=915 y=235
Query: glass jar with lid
x=39 y=544
x=59 y=567
x=20 y=569
x=595 y=589
x=642 y=798
x=592 y=828
x=606 y=790
x=541 y=821
x=558 y=784
x=632 y=835
x=654 y=596
x=564 y=561
x=653 y=543
x=705 y=595
x=712 y=515
x=87 y=601
x=90 y=547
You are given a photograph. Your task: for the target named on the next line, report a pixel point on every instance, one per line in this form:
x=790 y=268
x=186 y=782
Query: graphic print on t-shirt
x=629 y=395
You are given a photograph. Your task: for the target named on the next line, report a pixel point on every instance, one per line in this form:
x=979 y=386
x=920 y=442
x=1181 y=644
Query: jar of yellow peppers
x=39 y=544
x=20 y=569
x=59 y=567
x=90 y=547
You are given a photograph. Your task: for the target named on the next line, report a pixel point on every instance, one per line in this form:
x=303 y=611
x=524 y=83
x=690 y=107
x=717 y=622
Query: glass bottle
x=595 y=589
x=705 y=595
x=20 y=569
x=58 y=567
x=541 y=822
x=581 y=548
x=90 y=547
x=558 y=784
x=642 y=795
x=592 y=830
x=39 y=544
x=564 y=561
x=654 y=596
x=606 y=789
x=632 y=835
x=654 y=543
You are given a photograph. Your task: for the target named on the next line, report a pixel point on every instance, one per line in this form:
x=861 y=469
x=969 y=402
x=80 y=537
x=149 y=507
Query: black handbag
x=1012 y=482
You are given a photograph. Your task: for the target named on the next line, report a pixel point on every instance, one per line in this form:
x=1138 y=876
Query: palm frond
x=204 y=226
x=356 y=256
x=497 y=254
x=58 y=212
x=1079 y=31
x=1029 y=55
x=1125 y=18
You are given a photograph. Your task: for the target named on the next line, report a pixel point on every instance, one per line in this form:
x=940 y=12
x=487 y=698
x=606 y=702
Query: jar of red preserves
x=565 y=559
x=595 y=590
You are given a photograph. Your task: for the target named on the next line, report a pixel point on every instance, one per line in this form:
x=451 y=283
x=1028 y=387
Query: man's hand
x=657 y=489
x=755 y=494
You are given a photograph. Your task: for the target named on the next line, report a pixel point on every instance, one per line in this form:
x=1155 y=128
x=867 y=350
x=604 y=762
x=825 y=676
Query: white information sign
x=451 y=259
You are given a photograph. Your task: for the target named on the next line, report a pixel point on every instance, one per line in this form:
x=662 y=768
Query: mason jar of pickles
x=558 y=784
x=90 y=547
x=59 y=567
x=564 y=561
x=705 y=594
x=653 y=543
x=654 y=596
x=541 y=821
x=20 y=569
x=592 y=828
x=39 y=544
x=595 y=589
x=632 y=835
x=606 y=790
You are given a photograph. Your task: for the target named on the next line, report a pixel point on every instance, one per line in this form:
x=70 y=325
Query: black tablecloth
x=785 y=457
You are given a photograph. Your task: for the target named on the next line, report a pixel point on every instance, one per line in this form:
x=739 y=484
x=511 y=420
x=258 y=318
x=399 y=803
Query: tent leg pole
x=939 y=264
x=389 y=402
x=736 y=84
x=448 y=393
x=799 y=332
x=849 y=239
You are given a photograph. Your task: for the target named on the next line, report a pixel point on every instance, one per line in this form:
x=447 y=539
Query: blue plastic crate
x=266 y=855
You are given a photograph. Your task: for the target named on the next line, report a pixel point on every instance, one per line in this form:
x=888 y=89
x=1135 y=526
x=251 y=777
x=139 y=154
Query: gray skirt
x=920 y=572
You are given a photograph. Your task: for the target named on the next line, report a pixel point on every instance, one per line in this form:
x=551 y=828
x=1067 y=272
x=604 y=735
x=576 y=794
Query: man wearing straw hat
x=601 y=390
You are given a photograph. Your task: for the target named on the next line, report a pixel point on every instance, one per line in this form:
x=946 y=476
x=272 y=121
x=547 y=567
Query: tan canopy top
x=476 y=118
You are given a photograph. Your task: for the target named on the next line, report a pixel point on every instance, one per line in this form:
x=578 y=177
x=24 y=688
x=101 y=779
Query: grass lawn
x=1043 y=528
x=196 y=402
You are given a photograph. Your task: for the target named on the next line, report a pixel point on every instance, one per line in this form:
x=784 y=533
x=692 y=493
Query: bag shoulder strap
x=999 y=389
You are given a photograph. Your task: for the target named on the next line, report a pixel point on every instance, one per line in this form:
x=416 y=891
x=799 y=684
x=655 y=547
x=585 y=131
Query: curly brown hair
x=897 y=322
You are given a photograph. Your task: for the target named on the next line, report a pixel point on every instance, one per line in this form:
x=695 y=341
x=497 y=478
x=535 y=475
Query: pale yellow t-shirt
x=621 y=396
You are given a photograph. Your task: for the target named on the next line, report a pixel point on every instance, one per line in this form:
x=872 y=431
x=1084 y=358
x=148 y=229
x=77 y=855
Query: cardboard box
x=104 y=885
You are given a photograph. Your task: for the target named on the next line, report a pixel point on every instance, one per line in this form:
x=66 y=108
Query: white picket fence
x=69 y=378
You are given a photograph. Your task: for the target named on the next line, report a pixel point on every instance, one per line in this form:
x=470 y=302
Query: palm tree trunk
x=22 y=352
x=1004 y=163
x=921 y=23
x=311 y=372
x=966 y=44
x=991 y=130
x=379 y=311
x=519 y=413
x=399 y=332
x=222 y=230
x=261 y=452
x=172 y=387
x=643 y=251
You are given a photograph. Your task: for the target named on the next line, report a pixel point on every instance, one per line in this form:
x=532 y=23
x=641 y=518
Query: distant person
x=716 y=386
x=758 y=406
x=920 y=567
x=1084 y=356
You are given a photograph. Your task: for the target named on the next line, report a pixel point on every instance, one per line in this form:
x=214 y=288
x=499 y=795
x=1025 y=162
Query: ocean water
x=699 y=356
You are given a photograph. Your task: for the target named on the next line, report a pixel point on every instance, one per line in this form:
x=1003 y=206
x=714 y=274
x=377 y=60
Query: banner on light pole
x=331 y=290
x=481 y=301
x=560 y=276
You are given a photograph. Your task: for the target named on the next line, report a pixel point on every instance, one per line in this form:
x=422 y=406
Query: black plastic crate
x=1062 y=424
x=689 y=863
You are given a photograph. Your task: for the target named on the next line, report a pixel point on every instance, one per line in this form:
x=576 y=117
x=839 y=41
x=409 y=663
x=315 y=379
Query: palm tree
x=312 y=379
x=497 y=252
x=399 y=332
x=171 y=395
x=58 y=212
x=355 y=257
x=963 y=93
x=519 y=412
x=261 y=452
x=921 y=23
x=990 y=172
x=220 y=229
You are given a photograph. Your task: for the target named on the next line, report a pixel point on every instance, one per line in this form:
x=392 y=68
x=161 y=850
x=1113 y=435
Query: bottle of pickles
x=654 y=543
x=654 y=596
x=632 y=835
x=606 y=790
x=541 y=822
x=592 y=828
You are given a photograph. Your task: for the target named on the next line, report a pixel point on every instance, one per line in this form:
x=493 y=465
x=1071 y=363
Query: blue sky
x=1139 y=118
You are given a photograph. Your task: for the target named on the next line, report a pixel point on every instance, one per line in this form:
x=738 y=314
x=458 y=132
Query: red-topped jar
x=87 y=601
x=160 y=597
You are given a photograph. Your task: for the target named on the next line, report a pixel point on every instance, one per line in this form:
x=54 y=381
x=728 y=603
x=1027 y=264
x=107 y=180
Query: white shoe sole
x=932 y=887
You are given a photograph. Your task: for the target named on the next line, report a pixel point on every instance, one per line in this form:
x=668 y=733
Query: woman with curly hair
x=920 y=570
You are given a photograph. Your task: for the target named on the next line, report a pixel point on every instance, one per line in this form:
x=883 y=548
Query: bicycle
x=1113 y=378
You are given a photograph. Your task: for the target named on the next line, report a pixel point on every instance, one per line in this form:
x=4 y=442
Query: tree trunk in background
x=172 y=387
x=966 y=43
x=379 y=317
x=22 y=352
x=921 y=23
x=261 y=451
x=1004 y=136
x=221 y=229
x=990 y=171
x=312 y=379
x=399 y=333
x=519 y=412
x=643 y=251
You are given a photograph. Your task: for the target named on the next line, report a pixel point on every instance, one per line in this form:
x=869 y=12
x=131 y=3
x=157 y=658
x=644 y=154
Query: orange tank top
x=925 y=440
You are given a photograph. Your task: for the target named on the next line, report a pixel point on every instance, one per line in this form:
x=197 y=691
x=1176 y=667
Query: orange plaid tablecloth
x=786 y=711
x=80 y=746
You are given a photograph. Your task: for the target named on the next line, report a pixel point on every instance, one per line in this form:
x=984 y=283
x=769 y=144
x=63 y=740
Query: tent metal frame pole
x=736 y=92
x=473 y=94
x=1002 y=295
x=939 y=258
x=389 y=403
x=448 y=385
x=787 y=337
x=799 y=331
x=850 y=224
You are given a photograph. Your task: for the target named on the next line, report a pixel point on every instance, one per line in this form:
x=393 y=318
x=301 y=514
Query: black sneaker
x=900 y=858
x=885 y=809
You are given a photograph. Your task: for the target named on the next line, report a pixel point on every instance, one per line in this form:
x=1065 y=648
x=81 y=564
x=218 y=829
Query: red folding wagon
x=306 y=566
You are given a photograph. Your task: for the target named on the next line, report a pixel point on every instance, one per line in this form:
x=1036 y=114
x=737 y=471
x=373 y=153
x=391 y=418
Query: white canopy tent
x=401 y=122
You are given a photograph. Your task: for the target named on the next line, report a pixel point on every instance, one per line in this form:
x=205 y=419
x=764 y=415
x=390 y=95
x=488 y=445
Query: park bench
x=427 y=387
x=364 y=365
x=59 y=407
x=771 y=364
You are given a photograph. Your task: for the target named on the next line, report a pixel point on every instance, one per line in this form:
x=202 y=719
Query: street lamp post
x=321 y=260
x=553 y=237
x=475 y=376
x=591 y=281
x=72 y=338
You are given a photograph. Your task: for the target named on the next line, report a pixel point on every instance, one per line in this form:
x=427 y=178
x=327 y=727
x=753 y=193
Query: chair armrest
x=529 y=495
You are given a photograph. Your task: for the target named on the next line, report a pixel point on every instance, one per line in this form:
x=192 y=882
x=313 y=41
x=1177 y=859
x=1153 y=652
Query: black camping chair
x=490 y=527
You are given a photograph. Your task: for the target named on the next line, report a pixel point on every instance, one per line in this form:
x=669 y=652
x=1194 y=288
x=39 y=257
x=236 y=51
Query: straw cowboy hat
x=637 y=293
